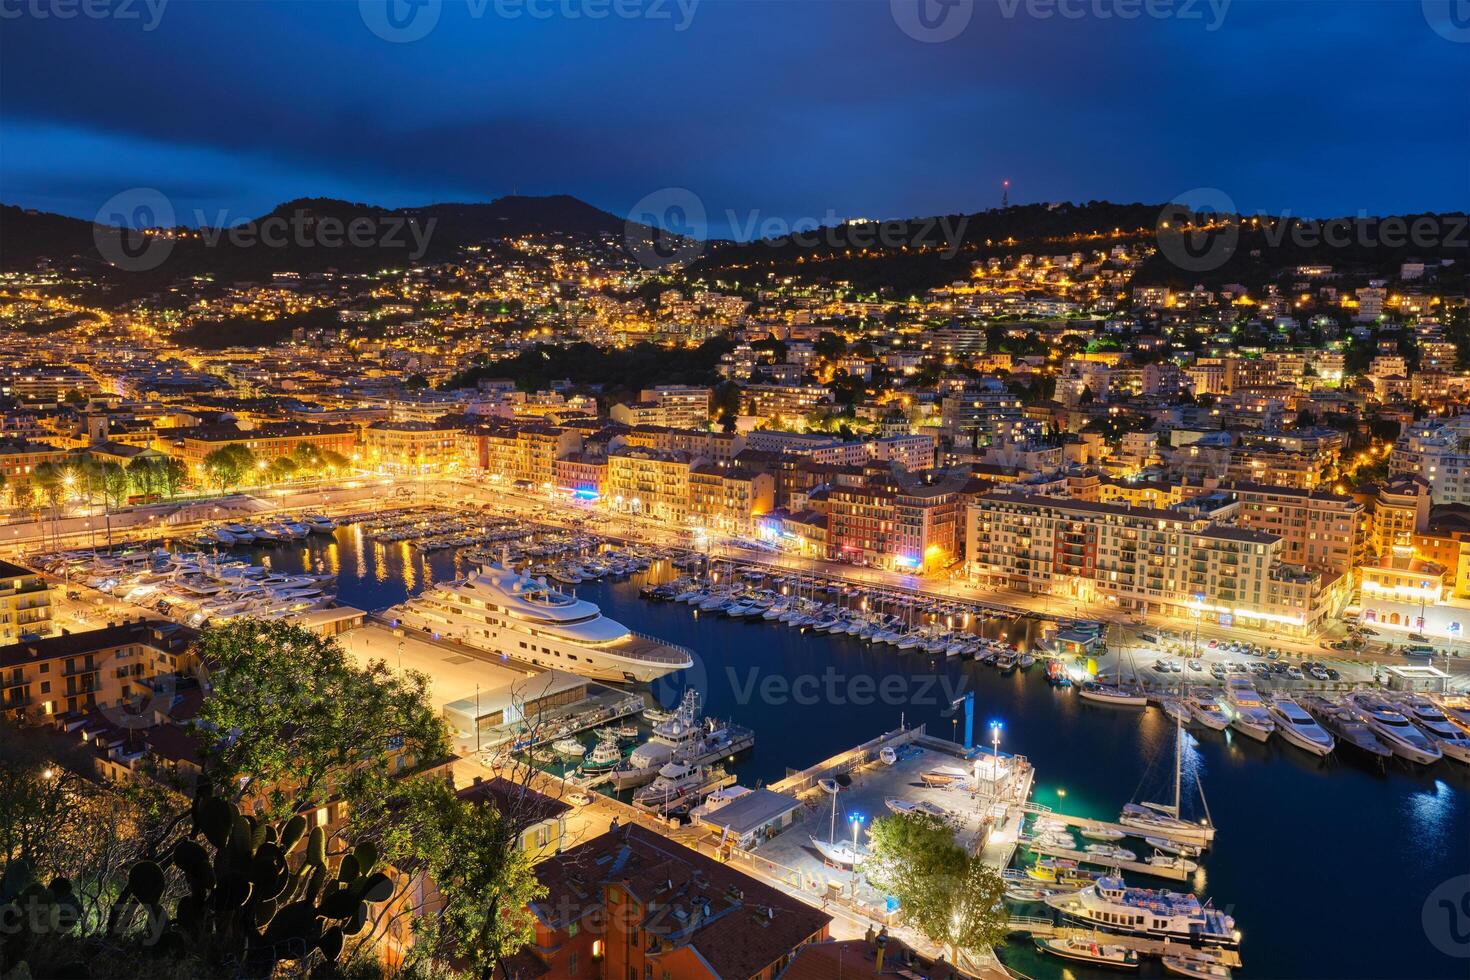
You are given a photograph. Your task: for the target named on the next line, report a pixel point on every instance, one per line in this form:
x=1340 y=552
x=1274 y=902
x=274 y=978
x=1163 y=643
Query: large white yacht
x=1248 y=713
x=507 y=613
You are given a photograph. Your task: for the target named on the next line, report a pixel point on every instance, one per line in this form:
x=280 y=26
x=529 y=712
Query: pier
x=1174 y=874
x=1199 y=839
x=1142 y=945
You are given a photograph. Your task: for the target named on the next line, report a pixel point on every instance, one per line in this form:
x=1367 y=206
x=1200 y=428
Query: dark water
x=1325 y=865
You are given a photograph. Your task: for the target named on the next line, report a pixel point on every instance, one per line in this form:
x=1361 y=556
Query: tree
x=229 y=465
x=115 y=484
x=298 y=722
x=948 y=894
x=173 y=475
x=144 y=473
x=484 y=878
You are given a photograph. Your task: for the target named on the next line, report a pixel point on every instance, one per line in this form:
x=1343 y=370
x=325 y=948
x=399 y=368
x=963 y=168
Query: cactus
x=253 y=897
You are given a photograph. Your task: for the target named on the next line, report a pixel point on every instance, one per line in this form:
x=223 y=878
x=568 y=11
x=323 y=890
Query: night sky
x=786 y=109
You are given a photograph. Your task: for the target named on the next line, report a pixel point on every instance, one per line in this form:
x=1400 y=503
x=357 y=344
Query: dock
x=1173 y=874
x=1143 y=945
x=1087 y=823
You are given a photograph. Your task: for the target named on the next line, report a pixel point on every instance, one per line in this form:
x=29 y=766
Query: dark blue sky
x=789 y=108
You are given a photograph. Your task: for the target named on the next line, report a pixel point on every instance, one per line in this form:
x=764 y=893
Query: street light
x=856 y=821
x=995 y=728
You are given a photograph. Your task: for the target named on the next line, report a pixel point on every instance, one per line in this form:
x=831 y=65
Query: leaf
x=379 y=888
x=146 y=882
x=190 y=857
x=347 y=870
x=331 y=943
x=213 y=820
x=316 y=847
x=291 y=834
x=367 y=856
x=339 y=905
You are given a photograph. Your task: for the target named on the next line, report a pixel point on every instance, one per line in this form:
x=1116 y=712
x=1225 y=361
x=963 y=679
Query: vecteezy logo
x=666 y=227
x=400 y=21
x=1450 y=19
x=1198 y=231
x=127 y=229
x=1446 y=917
x=932 y=21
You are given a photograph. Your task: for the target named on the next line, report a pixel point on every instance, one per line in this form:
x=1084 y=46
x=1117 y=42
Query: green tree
x=113 y=480
x=173 y=474
x=300 y=722
x=144 y=473
x=948 y=894
x=228 y=466
x=485 y=879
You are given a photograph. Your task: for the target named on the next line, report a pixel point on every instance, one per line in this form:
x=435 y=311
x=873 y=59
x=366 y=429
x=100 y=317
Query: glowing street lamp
x=995 y=728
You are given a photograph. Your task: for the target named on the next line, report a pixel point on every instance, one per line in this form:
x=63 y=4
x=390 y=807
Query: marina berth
x=1452 y=741
x=1348 y=728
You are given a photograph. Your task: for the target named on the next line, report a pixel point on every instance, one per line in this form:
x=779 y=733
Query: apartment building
x=524 y=453
x=683 y=406
x=1146 y=561
x=782 y=403
x=729 y=498
x=410 y=447
x=1439 y=452
x=1401 y=509
x=25 y=604
x=907 y=528
x=101 y=668
x=720 y=447
x=1317 y=529
x=650 y=482
x=268 y=441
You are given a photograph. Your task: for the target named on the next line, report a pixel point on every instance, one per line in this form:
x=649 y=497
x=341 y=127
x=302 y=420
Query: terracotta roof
x=737 y=924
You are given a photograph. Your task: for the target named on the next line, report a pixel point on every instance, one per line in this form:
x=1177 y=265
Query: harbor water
x=1328 y=866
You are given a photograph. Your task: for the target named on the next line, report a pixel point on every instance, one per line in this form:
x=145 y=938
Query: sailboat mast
x=1178 y=760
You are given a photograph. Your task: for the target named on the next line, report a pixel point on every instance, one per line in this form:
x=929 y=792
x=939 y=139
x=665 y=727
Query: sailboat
x=843 y=853
x=1163 y=819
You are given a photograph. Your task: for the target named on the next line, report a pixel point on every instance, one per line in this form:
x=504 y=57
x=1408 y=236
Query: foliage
x=485 y=880
x=228 y=466
x=299 y=722
x=626 y=369
x=948 y=894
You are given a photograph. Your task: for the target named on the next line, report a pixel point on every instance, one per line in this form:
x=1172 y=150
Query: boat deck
x=641 y=646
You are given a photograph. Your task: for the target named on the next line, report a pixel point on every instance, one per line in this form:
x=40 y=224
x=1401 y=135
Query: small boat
x=1176 y=710
x=1173 y=862
x=944 y=776
x=1017 y=892
x=1184 y=966
x=918 y=808
x=569 y=748
x=1103 y=833
x=1111 y=852
x=1050 y=869
x=1433 y=722
x=1172 y=846
x=1090 y=951
x=829 y=785
x=888 y=756
x=1111 y=694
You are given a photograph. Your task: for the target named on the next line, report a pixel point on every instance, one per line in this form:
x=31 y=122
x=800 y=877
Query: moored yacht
x=1298 y=727
x=1248 y=713
x=1205 y=709
x=1431 y=720
x=503 y=612
x=1113 y=906
x=1396 y=731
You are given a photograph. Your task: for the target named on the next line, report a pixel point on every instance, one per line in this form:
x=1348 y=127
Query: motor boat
x=1085 y=950
x=1298 y=727
x=944 y=776
x=1430 y=719
x=1395 y=730
x=1205 y=708
x=1248 y=713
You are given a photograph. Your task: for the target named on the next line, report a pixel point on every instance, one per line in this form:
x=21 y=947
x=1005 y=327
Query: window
x=572 y=962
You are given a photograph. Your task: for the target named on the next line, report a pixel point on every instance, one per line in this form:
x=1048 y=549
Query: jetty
x=1192 y=838
x=1173 y=874
x=1142 y=945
